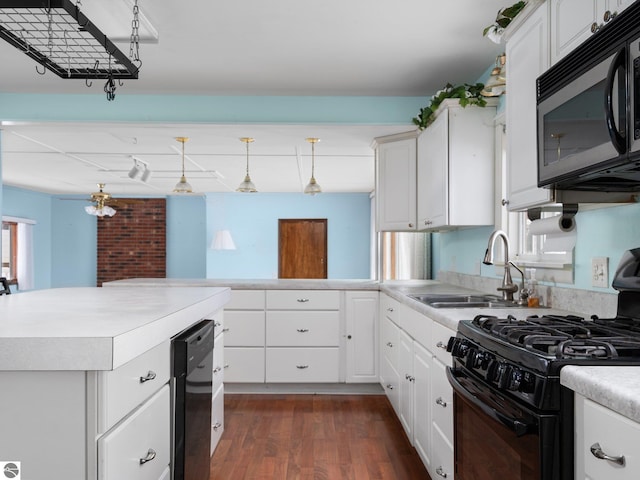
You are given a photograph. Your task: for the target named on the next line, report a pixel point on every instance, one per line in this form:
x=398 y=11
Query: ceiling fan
x=102 y=203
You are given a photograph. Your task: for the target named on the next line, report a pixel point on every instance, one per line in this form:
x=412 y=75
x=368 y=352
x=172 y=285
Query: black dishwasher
x=192 y=379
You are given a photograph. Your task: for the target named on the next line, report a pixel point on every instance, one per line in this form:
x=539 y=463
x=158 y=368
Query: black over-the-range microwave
x=588 y=116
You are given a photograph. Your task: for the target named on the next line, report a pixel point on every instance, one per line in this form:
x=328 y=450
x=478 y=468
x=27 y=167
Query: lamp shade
x=223 y=241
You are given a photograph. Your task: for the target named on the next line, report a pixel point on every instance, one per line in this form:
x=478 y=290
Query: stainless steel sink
x=464 y=301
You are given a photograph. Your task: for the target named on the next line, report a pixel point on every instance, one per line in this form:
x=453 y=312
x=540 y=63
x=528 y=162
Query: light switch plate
x=600 y=272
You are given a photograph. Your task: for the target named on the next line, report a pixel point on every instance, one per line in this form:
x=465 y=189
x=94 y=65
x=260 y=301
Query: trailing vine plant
x=467 y=94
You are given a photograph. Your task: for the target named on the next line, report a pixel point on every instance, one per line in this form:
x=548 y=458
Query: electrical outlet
x=600 y=272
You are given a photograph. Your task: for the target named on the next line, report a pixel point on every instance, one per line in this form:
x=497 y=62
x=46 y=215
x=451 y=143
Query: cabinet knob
x=389 y=344
x=149 y=376
x=216 y=324
x=225 y=329
x=441 y=345
x=389 y=386
x=441 y=402
x=389 y=309
x=348 y=337
x=217 y=369
x=216 y=426
x=441 y=472
x=151 y=454
x=597 y=452
x=411 y=225
x=504 y=202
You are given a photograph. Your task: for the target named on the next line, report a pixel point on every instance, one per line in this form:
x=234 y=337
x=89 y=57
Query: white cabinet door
x=396 y=185
x=570 y=23
x=361 y=312
x=244 y=365
x=422 y=370
x=244 y=328
x=614 y=434
x=405 y=369
x=433 y=173
x=528 y=57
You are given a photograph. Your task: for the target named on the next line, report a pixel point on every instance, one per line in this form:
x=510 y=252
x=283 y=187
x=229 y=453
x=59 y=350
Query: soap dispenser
x=533 y=300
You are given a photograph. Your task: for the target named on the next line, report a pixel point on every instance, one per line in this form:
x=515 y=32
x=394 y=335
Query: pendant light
x=312 y=187
x=247 y=185
x=182 y=186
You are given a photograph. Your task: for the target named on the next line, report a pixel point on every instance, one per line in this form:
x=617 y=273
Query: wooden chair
x=4 y=286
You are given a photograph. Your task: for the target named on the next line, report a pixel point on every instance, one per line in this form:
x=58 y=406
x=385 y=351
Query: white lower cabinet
x=217 y=390
x=599 y=432
x=217 y=417
x=413 y=374
x=361 y=319
x=139 y=447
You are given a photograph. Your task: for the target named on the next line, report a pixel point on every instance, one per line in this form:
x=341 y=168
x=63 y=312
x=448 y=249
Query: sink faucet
x=508 y=288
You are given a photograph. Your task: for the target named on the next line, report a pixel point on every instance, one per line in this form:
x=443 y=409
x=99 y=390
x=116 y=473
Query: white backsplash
x=583 y=302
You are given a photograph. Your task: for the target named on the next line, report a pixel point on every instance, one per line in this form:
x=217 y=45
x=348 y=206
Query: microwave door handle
x=616 y=137
x=515 y=425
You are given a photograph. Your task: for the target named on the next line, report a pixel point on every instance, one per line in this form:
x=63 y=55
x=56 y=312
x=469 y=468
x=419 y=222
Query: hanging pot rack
x=59 y=37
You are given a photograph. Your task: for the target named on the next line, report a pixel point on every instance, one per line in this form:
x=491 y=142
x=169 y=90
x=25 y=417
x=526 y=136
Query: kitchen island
x=85 y=378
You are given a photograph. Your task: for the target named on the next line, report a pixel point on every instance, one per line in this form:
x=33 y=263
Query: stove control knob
x=471 y=358
x=528 y=383
x=459 y=348
x=492 y=370
x=504 y=376
x=515 y=379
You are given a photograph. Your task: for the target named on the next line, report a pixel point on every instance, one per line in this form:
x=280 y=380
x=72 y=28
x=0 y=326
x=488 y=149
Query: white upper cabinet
x=455 y=167
x=396 y=183
x=527 y=58
x=573 y=21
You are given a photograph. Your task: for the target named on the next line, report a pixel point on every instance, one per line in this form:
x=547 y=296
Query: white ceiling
x=249 y=47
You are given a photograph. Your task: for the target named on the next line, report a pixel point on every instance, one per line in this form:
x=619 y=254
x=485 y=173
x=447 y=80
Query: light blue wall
x=604 y=232
x=253 y=222
x=37 y=207
x=186 y=237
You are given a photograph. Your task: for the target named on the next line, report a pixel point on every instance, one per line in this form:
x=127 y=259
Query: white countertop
x=617 y=388
x=96 y=328
x=249 y=284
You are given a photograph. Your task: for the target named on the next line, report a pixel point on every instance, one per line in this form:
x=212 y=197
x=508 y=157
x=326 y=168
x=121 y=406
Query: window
x=10 y=251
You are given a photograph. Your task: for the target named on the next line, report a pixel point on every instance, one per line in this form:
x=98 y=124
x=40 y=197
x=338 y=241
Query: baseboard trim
x=306 y=388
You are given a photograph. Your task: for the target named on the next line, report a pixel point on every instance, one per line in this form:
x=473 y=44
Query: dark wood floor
x=314 y=437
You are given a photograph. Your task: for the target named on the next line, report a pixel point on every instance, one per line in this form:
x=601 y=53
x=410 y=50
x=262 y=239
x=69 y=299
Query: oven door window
x=494 y=438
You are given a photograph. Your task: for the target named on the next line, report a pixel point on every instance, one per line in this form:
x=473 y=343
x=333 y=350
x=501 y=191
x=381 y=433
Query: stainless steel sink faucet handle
x=508 y=288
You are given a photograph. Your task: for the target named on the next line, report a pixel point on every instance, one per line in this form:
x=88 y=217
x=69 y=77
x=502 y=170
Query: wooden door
x=302 y=248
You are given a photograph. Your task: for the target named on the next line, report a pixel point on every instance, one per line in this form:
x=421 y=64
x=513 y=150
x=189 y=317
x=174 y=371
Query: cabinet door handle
x=151 y=454
x=149 y=376
x=302 y=367
x=441 y=472
x=225 y=329
x=597 y=452
x=217 y=369
x=389 y=344
x=441 y=402
x=389 y=386
x=303 y=300
x=441 y=345
x=303 y=330
x=226 y=365
x=216 y=324
x=389 y=309
x=216 y=426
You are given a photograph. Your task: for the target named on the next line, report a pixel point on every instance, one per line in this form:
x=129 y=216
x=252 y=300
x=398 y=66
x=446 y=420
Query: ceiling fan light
x=104 y=211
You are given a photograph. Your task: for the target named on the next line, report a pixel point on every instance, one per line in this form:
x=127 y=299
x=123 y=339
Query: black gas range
x=506 y=380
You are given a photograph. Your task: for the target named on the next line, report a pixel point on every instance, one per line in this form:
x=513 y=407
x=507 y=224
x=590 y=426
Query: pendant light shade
x=312 y=187
x=247 y=185
x=182 y=186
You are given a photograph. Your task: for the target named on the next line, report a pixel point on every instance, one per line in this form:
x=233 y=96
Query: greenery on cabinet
x=494 y=31
x=466 y=93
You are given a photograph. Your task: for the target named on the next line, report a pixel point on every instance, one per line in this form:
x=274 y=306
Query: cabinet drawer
x=390 y=308
x=442 y=401
x=244 y=328
x=440 y=337
x=126 y=387
x=299 y=329
x=244 y=365
x=218 y=362
x=302 y=365
x=217 y=417
x=141 y=435
x=303 y=300
x=617 y=436
x=246 y=300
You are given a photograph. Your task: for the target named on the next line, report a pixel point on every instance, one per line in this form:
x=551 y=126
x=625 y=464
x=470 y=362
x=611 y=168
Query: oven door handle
x=513 y=424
